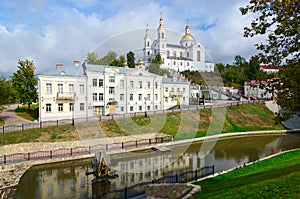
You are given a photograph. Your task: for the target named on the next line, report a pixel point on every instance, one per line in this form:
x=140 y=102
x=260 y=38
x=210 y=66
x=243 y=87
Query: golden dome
x=141 y=62
x=187 y=36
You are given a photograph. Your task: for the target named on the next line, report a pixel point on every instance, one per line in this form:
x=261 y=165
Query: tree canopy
x=8 y=94
x=92 y=58
x=279 y=20
x=130 y=59
x=25 y=82
x=155 y=66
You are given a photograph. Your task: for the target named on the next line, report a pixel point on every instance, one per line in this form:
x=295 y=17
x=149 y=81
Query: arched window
x=148 y=43
x=198 y=55
x=188 y=54
x=162 y=35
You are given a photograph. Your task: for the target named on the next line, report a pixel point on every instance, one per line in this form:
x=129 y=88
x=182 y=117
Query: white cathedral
x=187 y=55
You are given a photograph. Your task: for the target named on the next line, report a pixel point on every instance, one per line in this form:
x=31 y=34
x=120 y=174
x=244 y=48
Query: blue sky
x=53 y=31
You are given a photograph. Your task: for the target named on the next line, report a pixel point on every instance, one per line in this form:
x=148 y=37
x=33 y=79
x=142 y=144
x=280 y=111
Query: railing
x=137 y=190
x=28 y=126
x=82 y=150
x=66 y=96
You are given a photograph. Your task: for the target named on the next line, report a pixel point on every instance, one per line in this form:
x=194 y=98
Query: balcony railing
x=66 y=96
x=176 y=93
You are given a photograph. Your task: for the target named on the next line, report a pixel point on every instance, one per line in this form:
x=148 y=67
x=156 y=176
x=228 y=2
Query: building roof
x=65 y=71
x=269 y=67
x=175 y=46
x=173 y=81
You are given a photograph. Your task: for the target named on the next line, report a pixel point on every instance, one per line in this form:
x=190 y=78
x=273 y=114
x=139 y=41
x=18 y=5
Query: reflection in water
x=68 y=180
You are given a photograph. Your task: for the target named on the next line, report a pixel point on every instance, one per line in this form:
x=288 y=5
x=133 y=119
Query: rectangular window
x=140 y=97
x=188 y=54
x=148 y=108
x=183 y=99
x=198 y=55
x=131 y=108
x=148 y=85
x=100 y=82
x=112 y=79
x=172 y=89
x=94 y=82
x=94 y=96
x=60 y=88
x=156 y=96
x=156 y=85
x=148 y=96
x=122 y=108
x=121 y=97
x=131 y=97
x=166 y=99
x=81 y=89
x=166 y=89
x=174 y=53
x=48 y=107
x=60 y=107
x=155 y=107
x=131 y=84
x=180 y=54
x=183 y=90
x=140 y=108
x=140 y=84
x=111 y=90
x=121 y=84
x=81 y=108
x=100 y=96
x=71 y=88
x=49 y=88
x=71 y=107
x=178 y=90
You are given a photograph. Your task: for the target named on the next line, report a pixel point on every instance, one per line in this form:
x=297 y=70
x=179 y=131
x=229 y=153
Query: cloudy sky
x=61 y=31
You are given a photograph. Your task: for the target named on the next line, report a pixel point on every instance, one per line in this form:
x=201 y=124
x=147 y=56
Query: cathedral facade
x=187 y=55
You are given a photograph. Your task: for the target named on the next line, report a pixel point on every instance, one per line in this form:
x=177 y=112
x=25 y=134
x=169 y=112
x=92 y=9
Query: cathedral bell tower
x=147 y=47
x=162 y=39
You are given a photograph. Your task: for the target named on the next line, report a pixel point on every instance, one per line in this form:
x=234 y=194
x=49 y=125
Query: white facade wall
x=175 y=94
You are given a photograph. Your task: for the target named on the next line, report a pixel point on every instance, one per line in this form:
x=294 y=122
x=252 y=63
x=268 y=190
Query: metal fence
x=35 y=125
x=40 y=155
x=138 y=190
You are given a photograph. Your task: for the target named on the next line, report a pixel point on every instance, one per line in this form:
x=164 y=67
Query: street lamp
x=145 y=106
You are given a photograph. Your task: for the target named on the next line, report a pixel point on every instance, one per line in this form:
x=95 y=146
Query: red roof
x=269 y=67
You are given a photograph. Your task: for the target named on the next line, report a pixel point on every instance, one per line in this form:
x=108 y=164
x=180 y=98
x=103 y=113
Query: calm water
x=68 y=180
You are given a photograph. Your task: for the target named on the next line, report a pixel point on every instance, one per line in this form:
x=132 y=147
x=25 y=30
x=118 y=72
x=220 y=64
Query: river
x=68 y=180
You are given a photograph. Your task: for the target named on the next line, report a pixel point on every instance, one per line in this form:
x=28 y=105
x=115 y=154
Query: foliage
x=118 y=62
x=25 y=82
x=31 y=113
x=155 y=66
x=130 y=59
x=8 y=93
x=277 y=177
x=92 y=58
x=193 y=76
x=279 y=21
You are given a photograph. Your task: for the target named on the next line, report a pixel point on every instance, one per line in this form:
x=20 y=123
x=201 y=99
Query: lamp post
x=145 y=106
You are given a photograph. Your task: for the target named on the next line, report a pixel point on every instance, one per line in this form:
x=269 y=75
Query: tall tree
x=92 y=58
x=155 y=66
x=7 y=91
x=130 y=59
x=279 y=20
x=118 y=62
x=25 y=82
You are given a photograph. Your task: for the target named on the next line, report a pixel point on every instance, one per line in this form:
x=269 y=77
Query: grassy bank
x=277 y=177
x=28 y=114
x=242 y=118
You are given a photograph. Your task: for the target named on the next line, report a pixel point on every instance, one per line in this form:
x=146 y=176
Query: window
x=183 y=90
x=121 y=97
x=60 y=88
x=111 y=90
x=148 y=85
x=174 y=53
x=48 y=107
x=131 y=108
x=148 y=43
x=71 y=88
x=94 y=82
x=148 y=108
x=166 y=89
x=174 y=63
x=166 y=99
x=122 y=108
x=131 y=84
x=156 y=96
x=162 y=35
x=188 y=63
x=183 y=99
x=156 y=85
x=162 y=46
x=172 y=90
x=168 y=53
x=60 y=107
x=188 y=54
x=94 y=96
x=140 y=84
x=71 y=107
x=100 y=96
x=180 y=54
x=121 y=83
x=155 y=107
x=111 y=79
x=148 y=96
x=131 y=97
x=140 y=108
x=198 y=55
x=81 y=89
x=81 y=108
x=100 y=82
x=178 y=90
x=49 y=88
x=140 y=97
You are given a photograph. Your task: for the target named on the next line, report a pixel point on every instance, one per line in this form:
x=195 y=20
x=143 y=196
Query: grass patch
x=28 y=114
x=49 y=134
x=277 y=177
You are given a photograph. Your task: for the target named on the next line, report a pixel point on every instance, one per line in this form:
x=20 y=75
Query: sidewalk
x=10 y=117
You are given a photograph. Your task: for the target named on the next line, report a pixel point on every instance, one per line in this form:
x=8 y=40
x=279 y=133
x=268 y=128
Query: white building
x=187 y=55
x=261 y=89
x=95 y=90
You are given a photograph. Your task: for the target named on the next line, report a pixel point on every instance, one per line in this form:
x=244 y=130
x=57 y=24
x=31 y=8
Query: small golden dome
x=187 y=36
x=141 y=62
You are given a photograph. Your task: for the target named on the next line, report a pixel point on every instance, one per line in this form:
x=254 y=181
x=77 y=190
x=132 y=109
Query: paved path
x=10 y=117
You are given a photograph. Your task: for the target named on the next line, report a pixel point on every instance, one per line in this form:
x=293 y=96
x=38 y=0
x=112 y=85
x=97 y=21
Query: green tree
x=155 y=66
x=8 y=94
x=25 y=82
x=130 y=59
x=118 y=62
x=92 y=58
x=279 y=20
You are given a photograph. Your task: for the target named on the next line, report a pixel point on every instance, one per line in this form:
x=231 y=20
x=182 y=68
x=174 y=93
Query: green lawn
x=28 y=114
x=277 y=177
